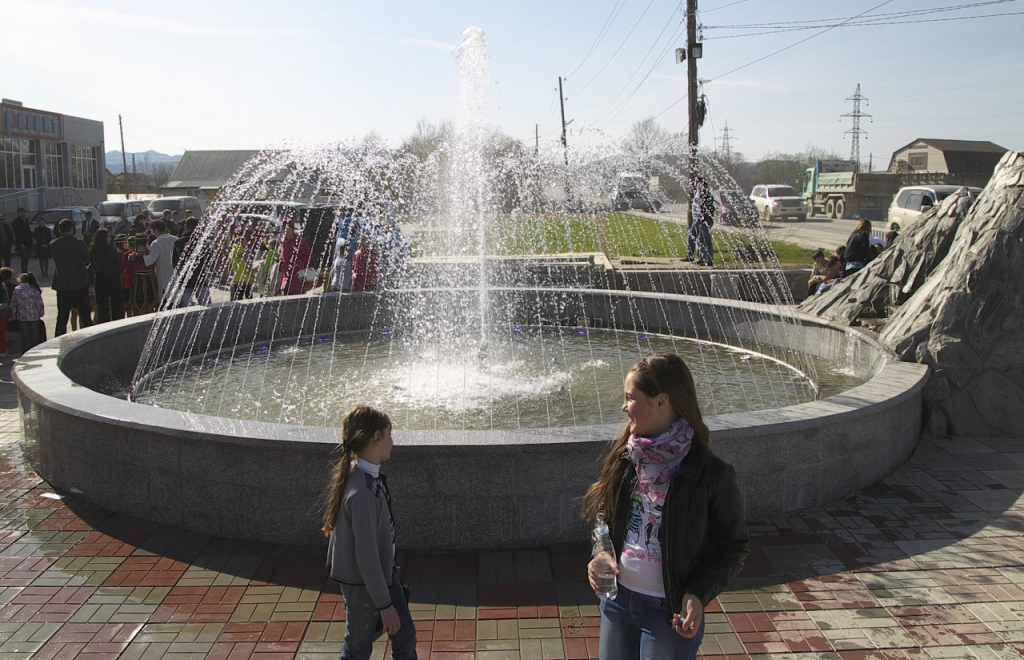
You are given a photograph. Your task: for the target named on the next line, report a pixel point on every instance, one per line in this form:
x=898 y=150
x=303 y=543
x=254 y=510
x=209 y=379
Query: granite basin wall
x=452 y=489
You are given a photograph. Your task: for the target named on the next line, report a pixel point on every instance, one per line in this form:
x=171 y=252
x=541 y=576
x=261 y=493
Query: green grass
x=625 y=235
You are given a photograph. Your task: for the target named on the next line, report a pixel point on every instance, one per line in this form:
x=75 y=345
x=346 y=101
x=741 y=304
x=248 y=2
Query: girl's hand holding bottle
x=687 y=622
x=601 y=572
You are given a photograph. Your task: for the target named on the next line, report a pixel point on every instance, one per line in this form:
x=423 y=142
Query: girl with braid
x=361 y=551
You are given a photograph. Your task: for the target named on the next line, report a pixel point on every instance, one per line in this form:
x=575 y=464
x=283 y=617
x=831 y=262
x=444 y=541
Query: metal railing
x=36 y=199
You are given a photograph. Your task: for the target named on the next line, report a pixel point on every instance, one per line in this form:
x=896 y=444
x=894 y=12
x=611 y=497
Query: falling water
x=459 y=336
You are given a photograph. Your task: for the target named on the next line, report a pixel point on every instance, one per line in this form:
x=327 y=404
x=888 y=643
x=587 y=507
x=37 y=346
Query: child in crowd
x=29 y=309
x=341 y=270
x=365 y=267
x=241 y=273
x=361 y=550
x=142 y=292
x=818 y=273
x=7 y=279
x=835 y=268
x=5 y=312
x=267 y=275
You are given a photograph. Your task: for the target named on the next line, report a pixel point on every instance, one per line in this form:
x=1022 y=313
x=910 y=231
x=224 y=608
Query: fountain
x=502 y=368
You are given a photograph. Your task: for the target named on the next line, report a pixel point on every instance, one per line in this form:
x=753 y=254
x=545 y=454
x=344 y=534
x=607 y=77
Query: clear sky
x=237 y=74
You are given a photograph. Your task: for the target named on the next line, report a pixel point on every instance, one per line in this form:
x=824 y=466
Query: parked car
x=110 y=212
x=53 y=215
x=912 y=202
x=296 y=211
x=180 y=204
x=778 y=202
x=733 y=207
x=635 y=199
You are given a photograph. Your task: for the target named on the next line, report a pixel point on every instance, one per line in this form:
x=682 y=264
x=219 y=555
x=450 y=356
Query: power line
x=614 y=108
x=772 y=54
x=794 y=45
x=869 y=24
x=708 y=11
x=612 y=57
x=823 y=22
x=600 y=35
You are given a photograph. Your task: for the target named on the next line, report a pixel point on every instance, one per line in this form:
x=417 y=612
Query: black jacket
x=703 y=534
x=22 y=232
x=70 y=259
x=858 y=248
x=106 y=263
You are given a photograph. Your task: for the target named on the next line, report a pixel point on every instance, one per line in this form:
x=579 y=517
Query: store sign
x=16 y=121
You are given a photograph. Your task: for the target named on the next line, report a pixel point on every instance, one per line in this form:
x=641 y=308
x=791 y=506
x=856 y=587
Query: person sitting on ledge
x=819 y=272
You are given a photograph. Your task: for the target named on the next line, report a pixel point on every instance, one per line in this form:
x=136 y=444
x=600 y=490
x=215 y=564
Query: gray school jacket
x=361 y=547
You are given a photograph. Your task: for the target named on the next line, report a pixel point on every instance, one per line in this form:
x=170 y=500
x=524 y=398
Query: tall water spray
x=520 y=309
x=470 y=208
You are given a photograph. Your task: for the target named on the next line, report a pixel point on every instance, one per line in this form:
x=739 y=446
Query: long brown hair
x=357 y=430
x=655 y=374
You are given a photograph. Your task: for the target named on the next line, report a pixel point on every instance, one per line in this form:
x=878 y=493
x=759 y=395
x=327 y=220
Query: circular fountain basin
x=454 y=489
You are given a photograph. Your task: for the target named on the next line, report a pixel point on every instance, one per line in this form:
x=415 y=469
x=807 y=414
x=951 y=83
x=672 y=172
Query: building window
x=17 y=163
x=53 y=161
x=919 y=161
x=83 y=166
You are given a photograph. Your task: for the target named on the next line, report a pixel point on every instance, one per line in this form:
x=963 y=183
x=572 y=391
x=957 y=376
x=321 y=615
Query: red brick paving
x=923 y=566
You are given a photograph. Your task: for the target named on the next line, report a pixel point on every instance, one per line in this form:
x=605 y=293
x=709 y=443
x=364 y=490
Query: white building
x=48 y=159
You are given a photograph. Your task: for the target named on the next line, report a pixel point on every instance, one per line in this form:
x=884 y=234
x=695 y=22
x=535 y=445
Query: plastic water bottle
x=607 y=585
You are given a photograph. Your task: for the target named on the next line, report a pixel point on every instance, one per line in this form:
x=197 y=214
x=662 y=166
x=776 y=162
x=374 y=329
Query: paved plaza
x=924 y=565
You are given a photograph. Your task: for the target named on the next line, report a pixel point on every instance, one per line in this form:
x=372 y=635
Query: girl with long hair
x=109 y=284
x=676 y=518
x=361 y=551
x=29 y=309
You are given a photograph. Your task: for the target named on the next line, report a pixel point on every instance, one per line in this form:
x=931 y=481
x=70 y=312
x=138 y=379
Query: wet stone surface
x=924 y=565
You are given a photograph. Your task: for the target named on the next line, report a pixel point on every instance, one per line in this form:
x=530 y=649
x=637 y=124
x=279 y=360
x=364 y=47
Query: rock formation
x=898 y=272
x=959 y=285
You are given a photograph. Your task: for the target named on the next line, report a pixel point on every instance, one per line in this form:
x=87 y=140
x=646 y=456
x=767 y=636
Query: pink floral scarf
x=657 y=459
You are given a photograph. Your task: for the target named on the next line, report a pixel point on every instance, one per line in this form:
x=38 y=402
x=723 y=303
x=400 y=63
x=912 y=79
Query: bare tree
x=160 y=173
x=427 y=138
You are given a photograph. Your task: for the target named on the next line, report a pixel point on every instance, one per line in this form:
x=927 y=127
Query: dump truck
x=835 y=189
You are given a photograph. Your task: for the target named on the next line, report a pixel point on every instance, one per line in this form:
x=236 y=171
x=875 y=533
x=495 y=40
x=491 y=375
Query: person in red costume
x=295 y=253
x=365 y=267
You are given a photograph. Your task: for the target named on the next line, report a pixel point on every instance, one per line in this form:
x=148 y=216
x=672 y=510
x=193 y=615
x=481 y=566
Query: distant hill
x=144 y=160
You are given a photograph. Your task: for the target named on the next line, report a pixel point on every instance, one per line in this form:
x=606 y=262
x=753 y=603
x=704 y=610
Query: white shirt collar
x=372 y=469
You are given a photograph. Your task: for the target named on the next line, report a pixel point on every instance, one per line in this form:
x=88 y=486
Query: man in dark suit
x=70 y=277
x=22 y=238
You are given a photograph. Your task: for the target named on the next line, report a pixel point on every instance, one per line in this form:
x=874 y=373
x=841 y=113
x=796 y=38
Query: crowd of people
x=142 y=264
x=860 y=249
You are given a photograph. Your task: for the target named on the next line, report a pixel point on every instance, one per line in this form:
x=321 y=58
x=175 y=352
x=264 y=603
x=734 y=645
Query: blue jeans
x=639 y=627
x=705 y=249
x=363 y=625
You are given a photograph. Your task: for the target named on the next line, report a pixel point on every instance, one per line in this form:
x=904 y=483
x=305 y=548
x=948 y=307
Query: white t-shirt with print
x=640 y=560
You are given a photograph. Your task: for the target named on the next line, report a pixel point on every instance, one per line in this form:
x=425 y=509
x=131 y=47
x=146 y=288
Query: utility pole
x=536 y=139
x=691 y=91
x=124 y=162
x=726 y=150
x=856 y=131
x=565 y=144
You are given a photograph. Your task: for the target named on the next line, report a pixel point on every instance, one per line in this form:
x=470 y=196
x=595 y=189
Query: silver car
x=778 y=202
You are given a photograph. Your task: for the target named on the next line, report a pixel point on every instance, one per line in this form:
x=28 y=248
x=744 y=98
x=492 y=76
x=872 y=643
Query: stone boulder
x=898 y=272
x=967 y=320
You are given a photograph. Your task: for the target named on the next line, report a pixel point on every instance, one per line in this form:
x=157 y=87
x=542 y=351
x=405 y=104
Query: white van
x=180 y=204
x=912 y=202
